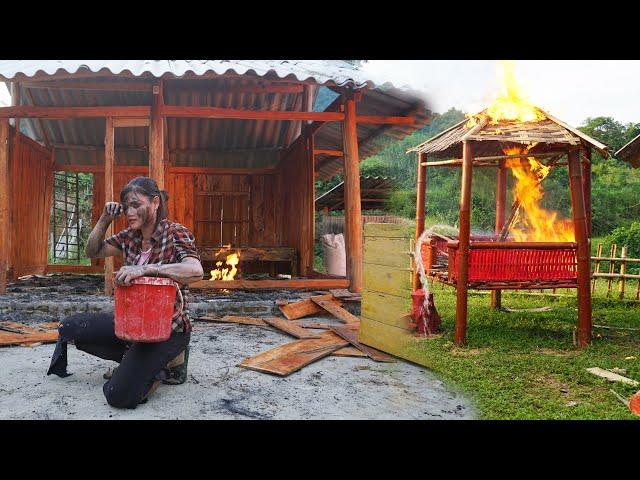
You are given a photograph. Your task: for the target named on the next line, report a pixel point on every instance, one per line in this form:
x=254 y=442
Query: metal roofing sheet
x=373 y=189
x=323 y=72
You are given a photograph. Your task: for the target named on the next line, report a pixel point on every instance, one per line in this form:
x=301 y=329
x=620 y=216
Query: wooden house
x=236 y=144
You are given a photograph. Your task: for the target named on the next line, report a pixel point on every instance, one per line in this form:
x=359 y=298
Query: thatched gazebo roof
x=630 y=153
x=490 y=138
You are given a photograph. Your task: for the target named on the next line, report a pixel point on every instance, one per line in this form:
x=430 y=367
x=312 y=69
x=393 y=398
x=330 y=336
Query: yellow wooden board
x=387 y=309
x=390 y=280
x=392 y=252
x=389 y=339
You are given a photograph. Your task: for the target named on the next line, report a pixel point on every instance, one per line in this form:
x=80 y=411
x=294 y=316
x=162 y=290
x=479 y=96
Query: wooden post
x=612 y=267
x=5 y=204
x=586 y=180
x=501 y=201
x=582 y=239
x=156 y=137
x=623 y=269
x=420 y=198
x=109 y=155
x=352 y=210
x=463 y=246
x=597 y=269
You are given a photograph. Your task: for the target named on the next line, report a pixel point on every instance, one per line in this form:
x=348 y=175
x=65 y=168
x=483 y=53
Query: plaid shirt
x=170 y=243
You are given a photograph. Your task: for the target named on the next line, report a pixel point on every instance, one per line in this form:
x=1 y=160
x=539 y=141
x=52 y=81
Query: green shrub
x=627 y=237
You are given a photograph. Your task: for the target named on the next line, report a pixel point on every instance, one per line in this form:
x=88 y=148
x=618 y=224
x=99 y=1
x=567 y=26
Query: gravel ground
x=331 y=388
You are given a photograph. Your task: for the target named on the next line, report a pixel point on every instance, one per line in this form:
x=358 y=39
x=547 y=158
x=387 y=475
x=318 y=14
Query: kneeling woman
x=152 y=246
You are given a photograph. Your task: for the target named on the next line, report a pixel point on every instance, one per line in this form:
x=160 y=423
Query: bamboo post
x=420 y=198
x=623 y=268
x=157 y=138
x=612 y=267
x=501 y=200
x=597 y=268
x=582 y=239
x=463 y=246
x=586 y=178
x=108 y=197
x=352 y=210
x=5 y=204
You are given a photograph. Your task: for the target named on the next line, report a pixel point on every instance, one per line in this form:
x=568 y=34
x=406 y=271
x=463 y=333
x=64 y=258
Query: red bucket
x=143 y=310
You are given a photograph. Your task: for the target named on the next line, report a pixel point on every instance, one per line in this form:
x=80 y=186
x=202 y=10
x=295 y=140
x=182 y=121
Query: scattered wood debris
x=312 y=324
x=613 y=377
x=12 y=333
x=518 y=310
x=350 y=334
x=304 y=308
x=336 y=310
x=345 y=295
x=288 y=358
x=287 y=326
x=349 y=352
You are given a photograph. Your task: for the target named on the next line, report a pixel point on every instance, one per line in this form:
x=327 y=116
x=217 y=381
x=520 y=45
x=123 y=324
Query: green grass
x=523 y=365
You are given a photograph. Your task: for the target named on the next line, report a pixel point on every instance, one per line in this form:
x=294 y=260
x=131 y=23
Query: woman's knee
x=120 y=397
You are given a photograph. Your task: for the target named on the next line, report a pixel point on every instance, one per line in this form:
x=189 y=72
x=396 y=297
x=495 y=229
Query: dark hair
x=149 y=188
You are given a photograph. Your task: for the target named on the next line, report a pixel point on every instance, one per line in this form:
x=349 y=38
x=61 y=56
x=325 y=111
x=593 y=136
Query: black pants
x=141 y=364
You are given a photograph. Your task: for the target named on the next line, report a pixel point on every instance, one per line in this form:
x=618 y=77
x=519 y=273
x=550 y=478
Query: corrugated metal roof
x=323 y=72
x=213 y=83
x=374 y=193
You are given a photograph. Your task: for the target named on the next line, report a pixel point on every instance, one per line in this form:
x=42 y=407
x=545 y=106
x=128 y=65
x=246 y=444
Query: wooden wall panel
x=297 y=196
x=31 y=192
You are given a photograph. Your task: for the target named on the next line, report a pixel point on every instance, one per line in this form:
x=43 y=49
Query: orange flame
x=229 y=272
x=538 y=224
x=511 y=103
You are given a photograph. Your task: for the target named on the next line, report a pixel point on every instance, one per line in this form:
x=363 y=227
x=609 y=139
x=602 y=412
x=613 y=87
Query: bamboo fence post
x=638 y=290
x=597 y=268
x=612 y=266
x=623 y=268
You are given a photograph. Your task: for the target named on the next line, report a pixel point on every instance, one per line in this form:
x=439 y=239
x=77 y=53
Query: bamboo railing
x=621 y=275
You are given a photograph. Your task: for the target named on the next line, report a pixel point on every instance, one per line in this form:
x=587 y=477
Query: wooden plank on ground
x=351 y=335
x=613 y=377
x=43 y=333
x=336 y=311
x=286 y=359
x=234 y=319
x=349 y=352
x=297 y=283
x=287 y=326
x=307 y=307
x=312 y=324
x=344 y=294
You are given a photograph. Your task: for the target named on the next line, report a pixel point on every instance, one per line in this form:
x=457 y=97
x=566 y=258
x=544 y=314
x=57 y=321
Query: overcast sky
x=571 y=90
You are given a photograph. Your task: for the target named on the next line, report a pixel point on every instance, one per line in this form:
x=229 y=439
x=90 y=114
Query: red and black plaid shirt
x=170 y=243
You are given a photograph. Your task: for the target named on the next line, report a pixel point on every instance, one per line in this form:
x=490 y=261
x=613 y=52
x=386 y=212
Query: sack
x=334 y=254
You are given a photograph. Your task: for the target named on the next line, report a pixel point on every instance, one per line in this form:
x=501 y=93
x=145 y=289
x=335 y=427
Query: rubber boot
x=178 y=369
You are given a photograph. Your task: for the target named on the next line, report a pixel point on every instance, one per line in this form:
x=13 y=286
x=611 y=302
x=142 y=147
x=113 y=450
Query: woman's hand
x=129 y=273
x=112 y=210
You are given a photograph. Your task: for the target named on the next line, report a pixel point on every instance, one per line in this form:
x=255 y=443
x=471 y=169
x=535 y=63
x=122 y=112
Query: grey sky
x=571 y=90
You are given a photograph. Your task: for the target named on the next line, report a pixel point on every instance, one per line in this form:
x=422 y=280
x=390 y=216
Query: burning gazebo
x=532 y=247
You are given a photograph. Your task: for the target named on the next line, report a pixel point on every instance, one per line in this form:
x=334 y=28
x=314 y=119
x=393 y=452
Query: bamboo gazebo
x=498 y=262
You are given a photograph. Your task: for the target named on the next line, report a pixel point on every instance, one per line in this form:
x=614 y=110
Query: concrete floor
x=331 y=388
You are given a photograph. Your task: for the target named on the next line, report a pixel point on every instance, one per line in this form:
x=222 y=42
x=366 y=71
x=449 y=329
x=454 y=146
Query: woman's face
x=139 y=210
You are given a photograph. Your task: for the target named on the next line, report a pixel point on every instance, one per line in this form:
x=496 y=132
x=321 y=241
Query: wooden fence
x=614 y=263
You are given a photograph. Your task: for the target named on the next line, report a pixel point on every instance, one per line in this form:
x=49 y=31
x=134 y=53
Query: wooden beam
x=333 y=153
x=586 y=178
x=131 y=122
x=463 y=248
x=238 y=114
x=353 y=207
x=5 y=204
x=88 y=85
x=385 y=120
x=95 y=148
x=156 y=138
x=223 y=171
x=53 y=268
x=582 y=239
x=299 y=284
x=109 y=160
x=141 y=169
x=74 y=112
